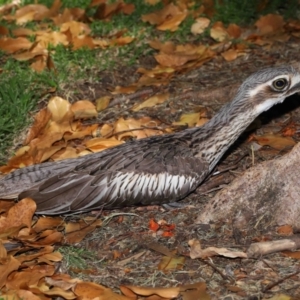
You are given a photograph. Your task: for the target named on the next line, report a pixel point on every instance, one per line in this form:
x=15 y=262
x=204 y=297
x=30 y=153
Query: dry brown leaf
x=53 y=38
x=152 y=101
x=270 y=24
x=168 y=263
x=174 y=60
x=75 y=28
x=4 y=30
x=106 y=130
x=56 y=291
x=51 y=237
x=5 y=205
x=173 y=23
x=78 y=131
x=99 y=144
x=188 y=119
x=84 y=109
x=68 y=15
x=102 y=103
x=11 y=45
x=218 y=32
x=83 y=41
x=125 y=90
x=285 y=230
x=230 y=55
x=194 y=291
x=107 y=10
x=90 y=290
x=167 y=47
x=168 y=293
x=127 y=128
x=168 y=18
x=19 y=215
x=23 y=32
x=234 y=31
x=40 y=121
x=40 y=63
x=200 y=25
x=60 y=109
x=29 y=276
x=29 y=257
x=275 y=141
x=121 y=41
x=65 y=153
x=48 y=223
x=6 y=268
x=63 y=281
x=198 y=252
x=76 y=232
x=3 y=252
x=291 y=254
x=31 y=12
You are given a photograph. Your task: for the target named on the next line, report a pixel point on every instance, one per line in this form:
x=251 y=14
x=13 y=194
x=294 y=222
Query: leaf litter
x=59 y=132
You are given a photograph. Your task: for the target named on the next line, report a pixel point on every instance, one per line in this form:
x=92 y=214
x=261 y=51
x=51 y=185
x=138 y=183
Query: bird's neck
x=212 y=140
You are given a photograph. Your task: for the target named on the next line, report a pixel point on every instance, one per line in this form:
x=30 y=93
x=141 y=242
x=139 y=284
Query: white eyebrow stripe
x=254 y=92
x=295 y=80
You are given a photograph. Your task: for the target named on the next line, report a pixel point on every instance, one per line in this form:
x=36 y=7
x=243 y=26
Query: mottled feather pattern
x=149 y=171
x=154 y=170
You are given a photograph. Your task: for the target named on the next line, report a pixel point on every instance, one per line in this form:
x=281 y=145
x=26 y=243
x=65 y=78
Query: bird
x=154 y=170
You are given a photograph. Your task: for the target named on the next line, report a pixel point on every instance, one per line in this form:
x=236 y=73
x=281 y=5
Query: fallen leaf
x=152 y=101
x=90 y=291
x=171 y=263
x=11 y=45
x=269 y=24
x=200 y=25
x=285 y=230
x=194 y=291
x=60 y=109
x=197 y=252
x=218 y=32
x=7 y=267
x=275 y=141
x=188 y=119
x=84 y=109
x=230 y=55
x=40 y=121
x=99 y=144
x=168 y=293
x=102 y=103
x=234 y=31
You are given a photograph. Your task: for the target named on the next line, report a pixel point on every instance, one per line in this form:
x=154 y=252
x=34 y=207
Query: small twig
x=217 y=270
x=270 y=286
x=263 y=248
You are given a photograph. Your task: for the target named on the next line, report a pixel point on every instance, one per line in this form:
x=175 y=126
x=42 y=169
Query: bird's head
x=270 y=86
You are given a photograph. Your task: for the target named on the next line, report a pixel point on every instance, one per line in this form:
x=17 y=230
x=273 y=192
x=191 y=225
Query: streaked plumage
x=155 y=170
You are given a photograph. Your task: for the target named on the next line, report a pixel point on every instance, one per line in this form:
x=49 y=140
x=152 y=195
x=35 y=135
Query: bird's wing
x=135 y=173
x=13 y=184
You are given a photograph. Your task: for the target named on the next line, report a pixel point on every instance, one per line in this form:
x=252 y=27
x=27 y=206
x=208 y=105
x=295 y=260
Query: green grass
x=245 y=12
x=20 y=90
x=78 y=259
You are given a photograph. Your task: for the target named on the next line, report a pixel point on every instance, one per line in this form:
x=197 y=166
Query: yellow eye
x=280 y=84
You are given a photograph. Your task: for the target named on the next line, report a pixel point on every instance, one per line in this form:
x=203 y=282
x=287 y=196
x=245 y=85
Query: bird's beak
x=294 y=90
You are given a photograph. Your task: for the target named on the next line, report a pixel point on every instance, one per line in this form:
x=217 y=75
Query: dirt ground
x=126 y=232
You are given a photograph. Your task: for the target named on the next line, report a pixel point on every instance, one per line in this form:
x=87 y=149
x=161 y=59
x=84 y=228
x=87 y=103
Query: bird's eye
x=280 y=84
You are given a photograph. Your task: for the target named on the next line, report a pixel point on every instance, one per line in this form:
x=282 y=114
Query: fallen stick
x=263 y=248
